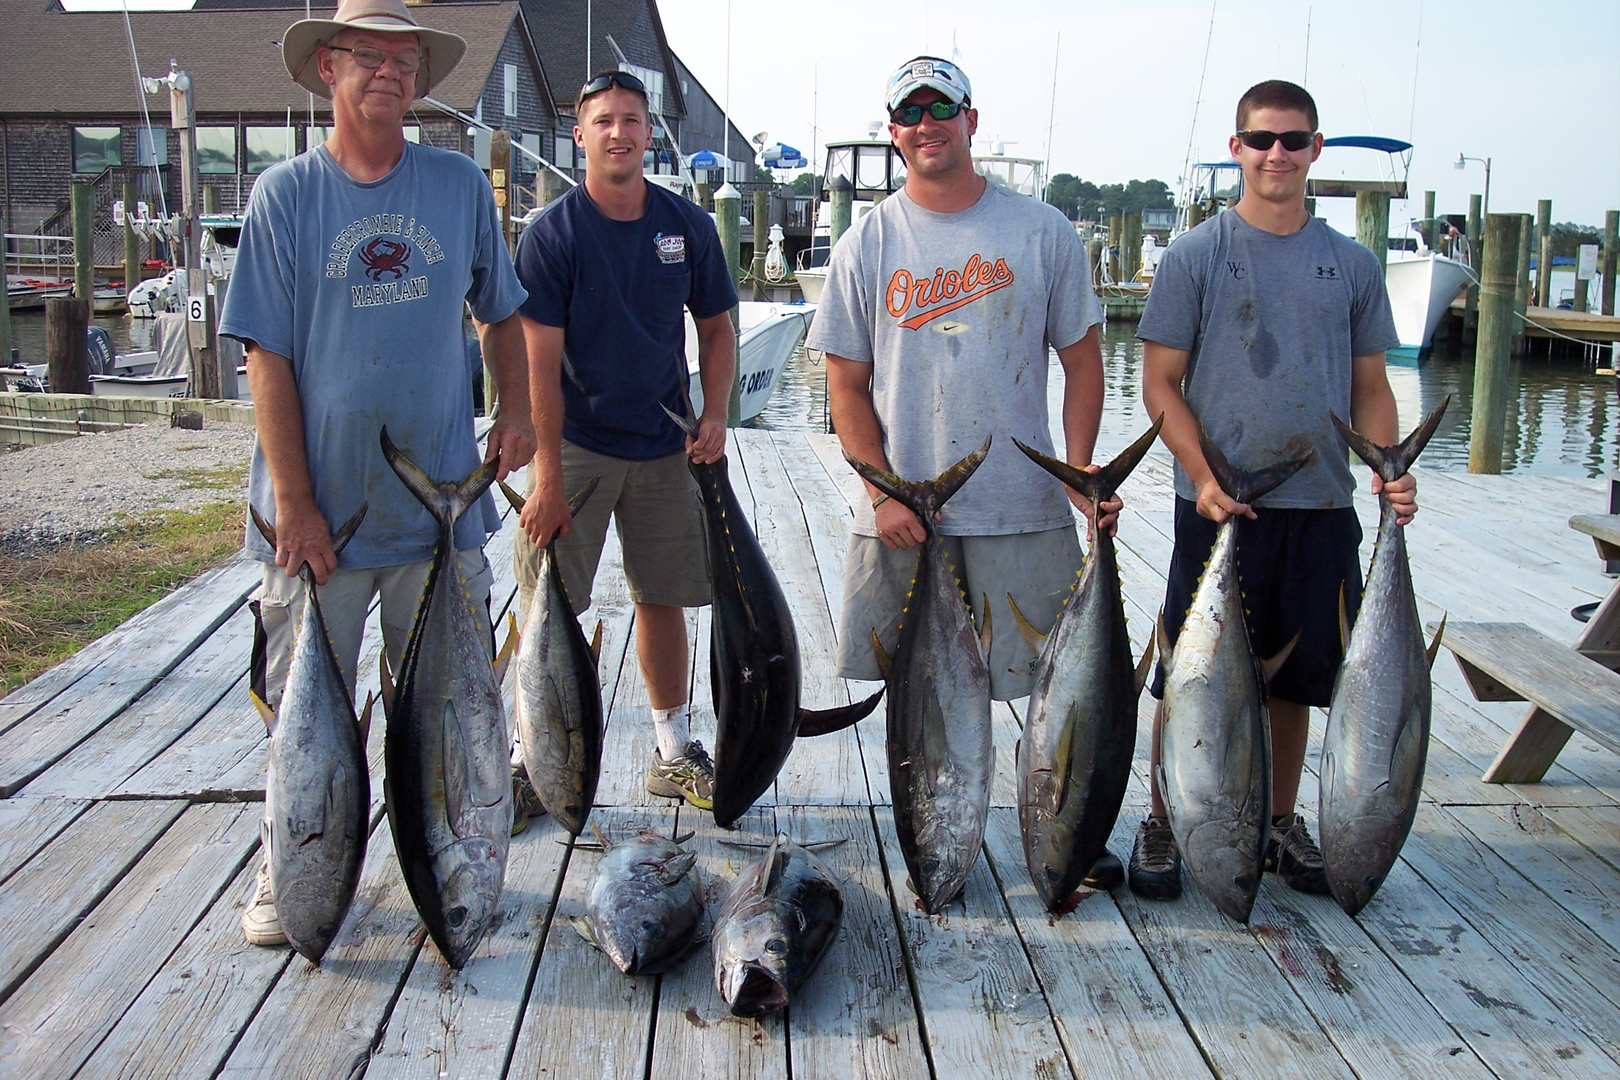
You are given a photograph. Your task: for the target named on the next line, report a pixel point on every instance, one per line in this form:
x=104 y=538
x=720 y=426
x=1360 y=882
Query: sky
x=1532 y=87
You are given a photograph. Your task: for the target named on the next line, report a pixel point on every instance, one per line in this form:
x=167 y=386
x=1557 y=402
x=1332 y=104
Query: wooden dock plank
x=69 y=877
x=1596 y=827
x=62 y=1013
x=188 y=1017
x=27 y=824
x=983 y=1014
x=694 y=1032
x=583 y=1018
x=855 y=1018
x=463 y=1023
x=1112 y=1013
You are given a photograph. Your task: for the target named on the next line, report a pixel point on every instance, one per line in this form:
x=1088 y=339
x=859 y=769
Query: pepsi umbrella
x=783 y=156
x=705 y=159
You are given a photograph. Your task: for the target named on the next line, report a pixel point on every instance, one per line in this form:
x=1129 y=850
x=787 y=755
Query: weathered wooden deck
x=129 y=837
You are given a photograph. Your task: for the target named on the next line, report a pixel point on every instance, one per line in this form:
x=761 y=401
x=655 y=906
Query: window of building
x=216 y=149
x=511 y=89
x=315 y=134
x=653 y=81
x=95 y=148
x=564 y=158
x=151 y=146
x=268 y=145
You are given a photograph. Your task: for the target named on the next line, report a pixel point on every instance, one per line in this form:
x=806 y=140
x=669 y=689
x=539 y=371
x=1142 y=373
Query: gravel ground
x=78 y=489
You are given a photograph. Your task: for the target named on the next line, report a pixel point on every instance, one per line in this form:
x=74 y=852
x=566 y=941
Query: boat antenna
x=725 y=118
x=1417 y=55
x=1192 y=132
x=1051 y=120
x=1306 y=78
x=146 y=114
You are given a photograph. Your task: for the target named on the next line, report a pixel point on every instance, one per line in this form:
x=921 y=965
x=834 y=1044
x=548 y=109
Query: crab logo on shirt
x=929 y=297
x=671 y=249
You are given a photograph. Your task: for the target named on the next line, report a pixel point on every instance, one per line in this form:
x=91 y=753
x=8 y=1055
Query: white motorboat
x=767 y=336
x=1421 y=289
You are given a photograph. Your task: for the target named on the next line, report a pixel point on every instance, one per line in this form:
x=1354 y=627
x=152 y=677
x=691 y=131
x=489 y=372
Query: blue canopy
x=783 y=156
x=705 y=159
x=1369 y=142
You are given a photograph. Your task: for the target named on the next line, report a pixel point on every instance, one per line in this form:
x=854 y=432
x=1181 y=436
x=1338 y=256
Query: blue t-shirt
x=617 y=289
x=361 y=286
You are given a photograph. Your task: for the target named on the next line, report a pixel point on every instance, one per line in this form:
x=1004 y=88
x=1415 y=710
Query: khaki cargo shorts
x=278 y=607
x=655 y=505
x=1038 y=569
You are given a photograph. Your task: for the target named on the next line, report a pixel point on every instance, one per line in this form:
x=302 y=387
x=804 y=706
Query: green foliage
x=1079 y=199
x=1567 y=238
x=806 y=183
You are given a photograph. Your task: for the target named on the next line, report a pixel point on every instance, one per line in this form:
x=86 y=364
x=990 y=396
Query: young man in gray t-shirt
x=940 y=306
x=1262 y=323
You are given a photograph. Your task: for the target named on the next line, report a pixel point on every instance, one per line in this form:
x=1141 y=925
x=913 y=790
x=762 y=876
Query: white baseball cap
x=931 y=71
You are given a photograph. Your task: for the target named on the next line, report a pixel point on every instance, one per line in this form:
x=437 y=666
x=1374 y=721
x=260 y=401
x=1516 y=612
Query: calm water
x=1567 y=420
x=1566 y=423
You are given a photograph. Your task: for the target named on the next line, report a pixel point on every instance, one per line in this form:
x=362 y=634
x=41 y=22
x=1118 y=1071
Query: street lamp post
x=1462 y=163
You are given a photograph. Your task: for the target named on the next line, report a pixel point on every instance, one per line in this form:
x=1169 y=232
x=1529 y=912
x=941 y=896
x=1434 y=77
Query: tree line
x=1080 y=199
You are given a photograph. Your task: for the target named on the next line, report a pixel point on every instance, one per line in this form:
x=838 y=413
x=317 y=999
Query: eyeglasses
x=612 y=78
x=1293 y=141
x=372 y=59
x=911 y=115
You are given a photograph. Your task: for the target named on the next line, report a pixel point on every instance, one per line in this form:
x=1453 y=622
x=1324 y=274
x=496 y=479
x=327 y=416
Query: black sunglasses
x=911 y=115
x=1293 y=141
x=609 y=79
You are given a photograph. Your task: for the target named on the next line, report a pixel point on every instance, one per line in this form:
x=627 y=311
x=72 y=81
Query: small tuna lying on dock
x=448 y=784
x=777 y=921
x=646 y=904
x=558 y=698
x=1377 y=738
x=1215 y=746
x=1074 y=760
x=317 y=787
x=941 y=755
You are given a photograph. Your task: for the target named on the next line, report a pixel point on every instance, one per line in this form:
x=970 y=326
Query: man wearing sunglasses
x=1263 y=322
x=939 y=310
x=356 y=261
x=609 y=267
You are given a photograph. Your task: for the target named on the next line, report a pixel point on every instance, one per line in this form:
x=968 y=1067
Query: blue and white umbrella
x=782 y=156
x=705 y=159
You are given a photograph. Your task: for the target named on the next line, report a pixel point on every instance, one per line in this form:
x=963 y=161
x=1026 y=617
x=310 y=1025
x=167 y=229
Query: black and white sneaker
x=1155 y=872
x=1292 y=854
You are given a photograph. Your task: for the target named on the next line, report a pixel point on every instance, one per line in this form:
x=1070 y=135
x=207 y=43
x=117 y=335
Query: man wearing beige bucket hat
x=356 y=261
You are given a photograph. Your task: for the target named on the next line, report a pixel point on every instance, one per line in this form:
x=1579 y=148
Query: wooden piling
x=84 y=241
x=728 y=222
x=1116 y=248
x=1094 y=249
x=1195 y=215
x=132 y=242
x=500 y=178
x=843 y=205
x=1372 y=224
x=1521 y=282
x=1492 y=344
x=1476 y=262
x=67 y=353
x=1611 y=238
x=762 y=239
x=700 y=195
x=1310 y=207
x=210 y=196
x=1428 y=227
x=1543 y=251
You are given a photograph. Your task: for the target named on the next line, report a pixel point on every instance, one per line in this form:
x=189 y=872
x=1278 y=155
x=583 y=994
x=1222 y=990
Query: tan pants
x=345 y=600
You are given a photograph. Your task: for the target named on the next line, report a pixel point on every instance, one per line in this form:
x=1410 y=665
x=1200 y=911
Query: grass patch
x=54 y=605
x=220 y=478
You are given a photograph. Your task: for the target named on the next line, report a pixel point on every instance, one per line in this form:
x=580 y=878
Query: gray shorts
x=345 y=599
x=1038 y=569
x=655 y=505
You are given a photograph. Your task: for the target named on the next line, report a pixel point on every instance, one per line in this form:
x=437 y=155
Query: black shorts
x=1292 y=564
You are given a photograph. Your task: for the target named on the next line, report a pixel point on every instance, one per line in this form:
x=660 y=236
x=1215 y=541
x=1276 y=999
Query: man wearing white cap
x=939 y=308
x=355 y=263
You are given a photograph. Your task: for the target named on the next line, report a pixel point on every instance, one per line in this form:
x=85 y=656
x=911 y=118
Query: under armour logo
x=1327 y=271
x=1238 y=273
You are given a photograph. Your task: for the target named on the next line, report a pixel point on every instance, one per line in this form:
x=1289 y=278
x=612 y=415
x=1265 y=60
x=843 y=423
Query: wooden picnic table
x=1570 y=687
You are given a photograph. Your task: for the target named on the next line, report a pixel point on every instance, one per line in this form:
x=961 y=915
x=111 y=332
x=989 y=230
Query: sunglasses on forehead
x=911 y=115
x=1293 y=141
x=610 y=79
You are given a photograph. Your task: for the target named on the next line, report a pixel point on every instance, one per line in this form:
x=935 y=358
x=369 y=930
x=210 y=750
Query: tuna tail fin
x=984 y=630
x=266 y=530
x=266 y=713
x=1100 y=485
x=1144 y=667
x=1035 y=638
x=577 y=502
x=813 y=722
x=346 y=531
x=512 y=497
x=923 y=497
x=596 y=643
x=884 y=660
x=1246 y=487
x=504 y=660
x=1393 y=462
x=364 y=720
x=446 y=502
x=687 y=424
x=1344 y=622
x=387 y=681
x=676 y=867
x=1269 y=668
x=1162 y=636
x=1439 y=632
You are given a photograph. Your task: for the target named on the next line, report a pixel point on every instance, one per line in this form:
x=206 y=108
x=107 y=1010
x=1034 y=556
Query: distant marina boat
x=768 y=336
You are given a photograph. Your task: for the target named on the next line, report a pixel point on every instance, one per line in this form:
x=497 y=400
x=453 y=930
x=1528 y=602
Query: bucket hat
x=441 y=51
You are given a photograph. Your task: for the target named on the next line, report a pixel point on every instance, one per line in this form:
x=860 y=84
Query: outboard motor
x=99 y=347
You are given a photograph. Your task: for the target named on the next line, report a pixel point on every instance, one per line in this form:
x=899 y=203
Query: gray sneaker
x=689 y=777
x=525 y=801
x=1155 y=871
x=260 y=923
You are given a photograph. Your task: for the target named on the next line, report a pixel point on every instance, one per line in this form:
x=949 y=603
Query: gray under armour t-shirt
x=956 y=313
x=1272 y=323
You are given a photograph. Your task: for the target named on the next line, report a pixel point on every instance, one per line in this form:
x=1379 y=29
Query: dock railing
x=37 y=251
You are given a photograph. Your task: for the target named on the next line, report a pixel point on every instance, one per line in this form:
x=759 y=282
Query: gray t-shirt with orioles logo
x=956 y=313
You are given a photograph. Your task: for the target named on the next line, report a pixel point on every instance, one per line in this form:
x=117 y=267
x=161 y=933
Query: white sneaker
x=260 y=923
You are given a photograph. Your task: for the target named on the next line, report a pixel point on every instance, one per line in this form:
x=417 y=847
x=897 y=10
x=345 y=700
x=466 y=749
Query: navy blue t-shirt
x=618 y=288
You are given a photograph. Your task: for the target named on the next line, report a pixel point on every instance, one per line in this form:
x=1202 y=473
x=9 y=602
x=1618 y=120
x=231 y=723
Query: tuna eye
x=776 y=945
x=455 y=917
x=649 y=927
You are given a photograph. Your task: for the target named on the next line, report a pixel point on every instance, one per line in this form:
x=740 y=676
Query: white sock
x=674 y=730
